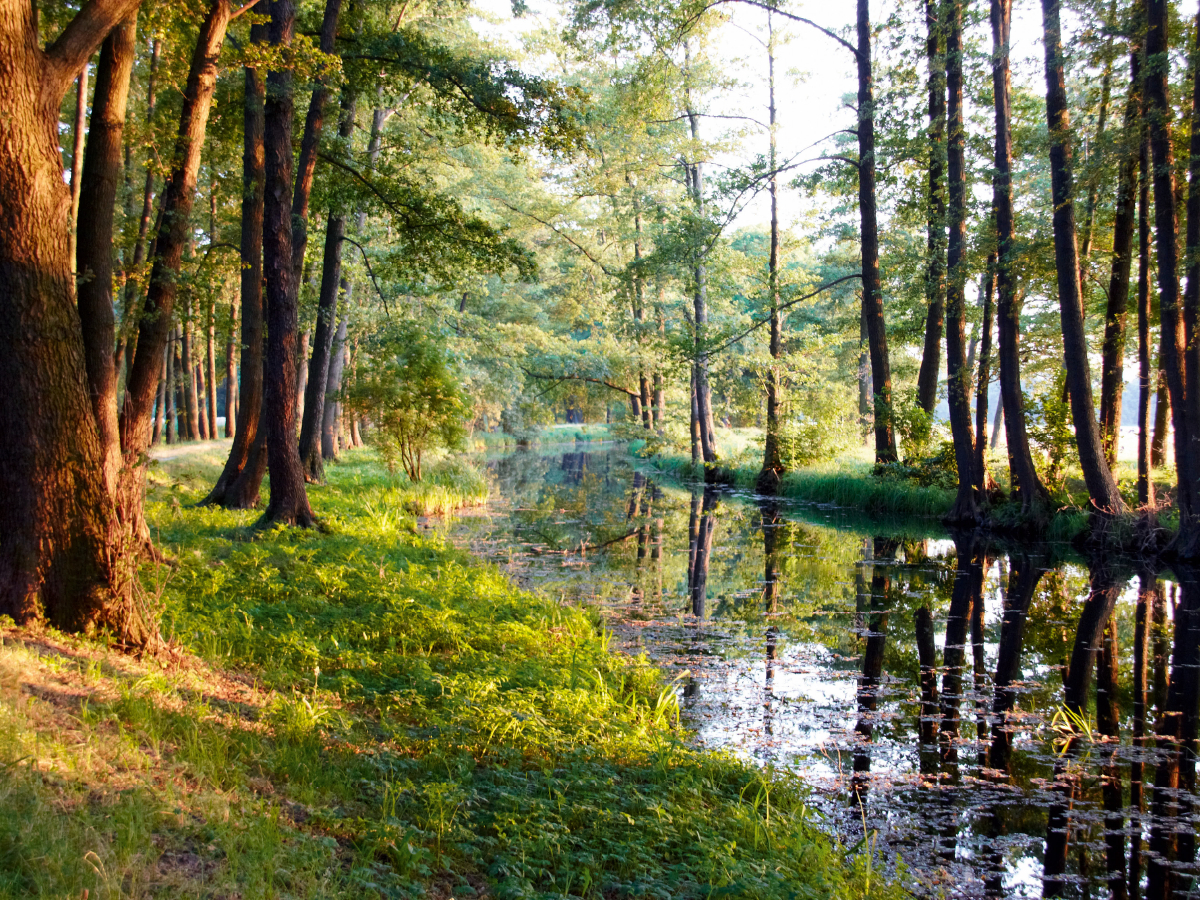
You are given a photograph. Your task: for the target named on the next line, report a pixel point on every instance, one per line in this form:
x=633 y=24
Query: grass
x=363 y=711
x=846 y=483
x=497 y=441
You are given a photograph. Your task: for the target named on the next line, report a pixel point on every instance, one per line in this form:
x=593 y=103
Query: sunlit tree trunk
x=94 y=243
x=1147 y=376
x=935 y=270
x=984 y=378
x=773 y=467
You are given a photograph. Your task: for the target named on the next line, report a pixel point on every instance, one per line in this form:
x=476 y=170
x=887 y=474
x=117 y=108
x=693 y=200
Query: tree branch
x=367 y=263
x=783 y=306
x=562 y=378
x=78 y=41
x=771 y=7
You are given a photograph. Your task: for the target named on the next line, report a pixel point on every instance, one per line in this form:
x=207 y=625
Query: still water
x=994 y=721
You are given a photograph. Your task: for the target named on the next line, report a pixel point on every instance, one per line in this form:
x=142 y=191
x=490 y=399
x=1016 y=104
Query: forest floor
x=364 y=711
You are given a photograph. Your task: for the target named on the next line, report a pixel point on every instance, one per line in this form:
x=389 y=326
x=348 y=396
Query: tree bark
x=77 y=152
x=64 y=554
x=935 y=271
x=984 y=378
x=1189 y=470
x=210 y=374
x=1146 y=386
x=1162 y=413
x=1171 y=356
x=250 y=392
x=129 y=316
x=966 y=505
x=702 y=389
x=231 y=385
x=189 y=381
x=311 y=455
x=173 y=234
x=1102 y=487
x=94 y=243
x=872 y=296
x=1026 y=485
x=1112 y=371
x=289 y=501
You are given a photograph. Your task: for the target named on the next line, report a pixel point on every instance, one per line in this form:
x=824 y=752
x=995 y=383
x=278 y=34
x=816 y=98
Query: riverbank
x=365 y=711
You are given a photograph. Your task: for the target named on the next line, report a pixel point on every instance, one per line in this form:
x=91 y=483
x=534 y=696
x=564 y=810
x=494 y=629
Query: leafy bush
x=939 y=469
x=412 y=395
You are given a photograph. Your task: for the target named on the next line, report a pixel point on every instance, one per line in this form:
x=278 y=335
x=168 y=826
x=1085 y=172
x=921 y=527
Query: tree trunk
x=773 y=467
x=173 y=233
x=1102 y=487
x=289 y=501
x=129 y=316
x=333 y=384
x=1112 y=373
x=958 y=376
x=311 y=455
x=231 y=393
x=160 y=403
x=872 y=297
x=1026 y=485
x=984 y=379
x=77 y=152
x=1162 y=414
x=64 y=554
x=310 y=143
x=1165 y=213
x=210 y=375
x=169 y=390
x=1093 y=179
x=94 y=243
x=1188 y=470
x=250 y=391
x=189 y=381
x=935 y=272
x=702 y=389
x=997 y=425
x=1146 y=386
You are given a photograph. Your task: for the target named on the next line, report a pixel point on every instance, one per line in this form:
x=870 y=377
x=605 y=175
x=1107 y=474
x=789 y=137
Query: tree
x=966 y=507
x=935 y=272
x=1027 y=487
x=63 y=552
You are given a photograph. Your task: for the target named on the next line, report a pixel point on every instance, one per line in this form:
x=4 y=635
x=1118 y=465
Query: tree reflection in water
x=813 y=631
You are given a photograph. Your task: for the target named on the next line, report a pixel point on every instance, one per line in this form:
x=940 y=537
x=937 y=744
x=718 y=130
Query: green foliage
x=939 y=469
x=412 y=396
x=823 y=430
x=1052 y=434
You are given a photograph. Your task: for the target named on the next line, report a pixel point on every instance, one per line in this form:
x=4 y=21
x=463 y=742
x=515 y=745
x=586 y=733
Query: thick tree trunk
x=333 y=384
x=935 y=271
x=1146 y=379
x=311 y=455
x=64 y=554
x=1102 y=487
x=984 y=379
x=872 y=296
x=289 y=501
x=1026 y=485
x=173 y=234
x=772 y=467
x=94 y=244
x=1166 y=222
x=1112 y=372
x=966 y=504
x=250 y=392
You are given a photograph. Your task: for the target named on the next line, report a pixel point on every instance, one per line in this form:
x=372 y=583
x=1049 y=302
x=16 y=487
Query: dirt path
x=174 y=451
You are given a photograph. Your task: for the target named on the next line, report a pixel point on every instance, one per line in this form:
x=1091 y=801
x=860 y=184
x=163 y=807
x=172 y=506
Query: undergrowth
x=364 y=711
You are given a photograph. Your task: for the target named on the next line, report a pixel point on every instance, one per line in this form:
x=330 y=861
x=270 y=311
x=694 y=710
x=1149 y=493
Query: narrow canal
x=997 y=721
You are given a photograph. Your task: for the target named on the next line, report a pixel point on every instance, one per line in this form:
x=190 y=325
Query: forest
x=405 y=402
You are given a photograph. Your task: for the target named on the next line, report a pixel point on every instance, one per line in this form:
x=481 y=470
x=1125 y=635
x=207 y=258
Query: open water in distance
x=1004 y=722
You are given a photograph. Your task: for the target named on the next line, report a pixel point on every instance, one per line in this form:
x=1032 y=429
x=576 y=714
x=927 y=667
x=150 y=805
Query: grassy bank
x=365 y=712
x=845 y=483
x=498 y=441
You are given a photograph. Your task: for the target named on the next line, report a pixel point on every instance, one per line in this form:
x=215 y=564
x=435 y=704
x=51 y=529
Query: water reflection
x=1011 y=722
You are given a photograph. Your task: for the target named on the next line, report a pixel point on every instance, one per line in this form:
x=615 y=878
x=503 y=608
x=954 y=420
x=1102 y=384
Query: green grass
x=844 y=483
x=364 y=711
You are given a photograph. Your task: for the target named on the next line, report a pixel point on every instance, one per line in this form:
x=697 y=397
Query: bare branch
x=782 y=306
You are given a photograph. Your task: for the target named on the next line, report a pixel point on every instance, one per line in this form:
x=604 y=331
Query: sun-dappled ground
x=363 y=711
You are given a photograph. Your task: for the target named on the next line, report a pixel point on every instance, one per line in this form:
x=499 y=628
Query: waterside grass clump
x=364 y=711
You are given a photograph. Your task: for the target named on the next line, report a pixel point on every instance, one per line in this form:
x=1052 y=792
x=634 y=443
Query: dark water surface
x=1000 y=722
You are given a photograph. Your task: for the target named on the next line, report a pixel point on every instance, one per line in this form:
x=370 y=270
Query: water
x=991 y=720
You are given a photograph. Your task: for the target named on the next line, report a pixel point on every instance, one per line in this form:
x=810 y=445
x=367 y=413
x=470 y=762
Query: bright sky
x=813 y=74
